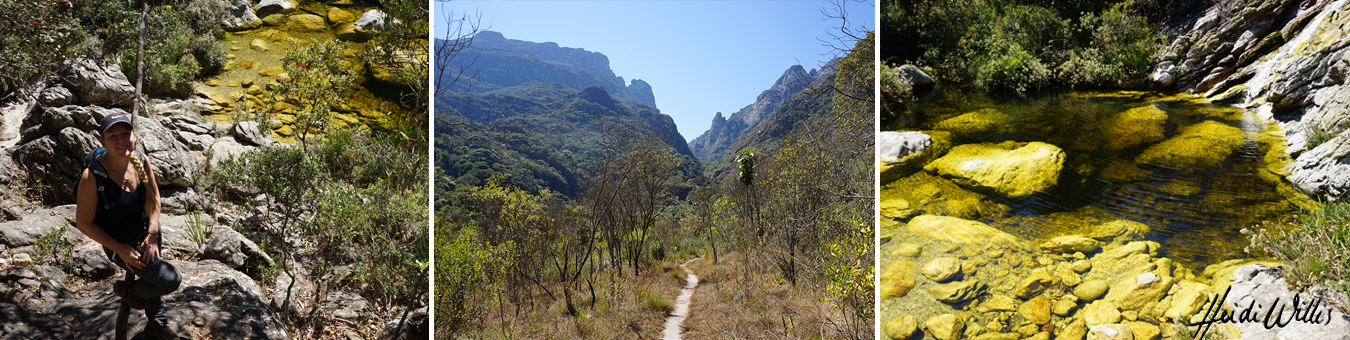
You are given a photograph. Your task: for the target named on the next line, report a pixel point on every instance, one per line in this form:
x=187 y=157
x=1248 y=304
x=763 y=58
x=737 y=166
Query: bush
x=180 y=41
x=468 y=275
x=35 y=42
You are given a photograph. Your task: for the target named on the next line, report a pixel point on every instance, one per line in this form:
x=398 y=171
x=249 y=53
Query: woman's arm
x=86 y=203
x=150 y=245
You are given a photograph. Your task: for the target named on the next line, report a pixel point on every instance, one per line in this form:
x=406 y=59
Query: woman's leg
x=157 y=279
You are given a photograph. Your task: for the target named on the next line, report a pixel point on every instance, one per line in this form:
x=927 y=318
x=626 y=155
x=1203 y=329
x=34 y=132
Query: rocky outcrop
x=1326 y=168
x=1285 y=59
x=893 y=146
x=95 y=84
x=714 y=143
x=232 y=249
x=1262 y=285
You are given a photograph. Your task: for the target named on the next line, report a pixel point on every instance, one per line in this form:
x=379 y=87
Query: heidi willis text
x=1303 y=311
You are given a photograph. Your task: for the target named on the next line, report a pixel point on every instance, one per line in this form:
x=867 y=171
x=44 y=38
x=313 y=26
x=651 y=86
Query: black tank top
x=125 y=218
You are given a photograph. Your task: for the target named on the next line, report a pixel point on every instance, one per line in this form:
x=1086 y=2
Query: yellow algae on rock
x=1136 y=126
x=306 y=23
x=270 y=71
x=959 y=231
x=984 y=121
x=898 y=278
x=1205 y=144
x=1011 y=169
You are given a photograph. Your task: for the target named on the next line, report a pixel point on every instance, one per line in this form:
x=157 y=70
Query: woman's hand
x=130 y=256
x=149 y=249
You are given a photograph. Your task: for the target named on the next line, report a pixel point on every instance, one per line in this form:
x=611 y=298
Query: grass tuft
x=1315 y=246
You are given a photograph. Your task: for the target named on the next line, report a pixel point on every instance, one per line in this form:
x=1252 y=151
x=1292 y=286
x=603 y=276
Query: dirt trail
x=677 y=317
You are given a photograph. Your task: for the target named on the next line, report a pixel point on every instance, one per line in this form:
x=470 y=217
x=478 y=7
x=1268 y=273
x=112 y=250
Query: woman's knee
x=163 y=276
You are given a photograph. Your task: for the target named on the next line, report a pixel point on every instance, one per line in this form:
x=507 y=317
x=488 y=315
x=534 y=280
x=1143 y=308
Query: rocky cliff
x=1286 y=60
x=503 y=62
x=714 y=143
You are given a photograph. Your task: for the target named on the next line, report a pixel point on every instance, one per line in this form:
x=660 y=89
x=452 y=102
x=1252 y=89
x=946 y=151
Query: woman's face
x=119 y=140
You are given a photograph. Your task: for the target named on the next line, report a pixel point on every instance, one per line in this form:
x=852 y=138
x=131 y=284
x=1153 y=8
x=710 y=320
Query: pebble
x=232 y=84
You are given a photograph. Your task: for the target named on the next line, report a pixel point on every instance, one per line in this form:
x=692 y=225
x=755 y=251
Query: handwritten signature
x=1304 y=311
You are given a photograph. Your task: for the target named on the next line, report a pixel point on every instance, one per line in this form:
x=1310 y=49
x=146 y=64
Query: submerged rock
x=1010 y=169
x=898 y=279
x=1036 y=310
x=1202 y=145
x=1136 y=126
x=945 y=326
x=981 y=122
x=941 y=269
x=306 y=23
x=1070 y=244
x=901 y=327
x=1034 y=284
x=959 y=231
x=957 y=292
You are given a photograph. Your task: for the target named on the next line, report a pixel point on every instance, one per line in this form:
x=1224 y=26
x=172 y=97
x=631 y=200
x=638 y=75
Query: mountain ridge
x=724 y=131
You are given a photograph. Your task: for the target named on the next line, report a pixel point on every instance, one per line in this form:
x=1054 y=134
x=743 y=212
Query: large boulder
x=275 y=6
x=1136 y=126
x=171 y=161
x=56 y=96
x=917 y=77
x=371 y=20
x=92 y=262
x=979 y=123
x=249 y=132
x=25 y=231
x=1201 y=145
x=19 y=323
x=97 y=84
x=1010 y=169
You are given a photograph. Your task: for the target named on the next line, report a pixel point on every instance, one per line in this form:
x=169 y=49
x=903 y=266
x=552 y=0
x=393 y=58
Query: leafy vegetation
x=1021 y=46
x=1315 y=246
x=38 y=38
x=180 y=41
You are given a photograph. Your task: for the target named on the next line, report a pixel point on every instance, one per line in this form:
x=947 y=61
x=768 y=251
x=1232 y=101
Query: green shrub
x=1011 y=69
x=180 y=41
x=35 y=42
x=468 y=274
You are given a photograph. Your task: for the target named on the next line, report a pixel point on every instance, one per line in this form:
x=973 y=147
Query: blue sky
x=700 y=57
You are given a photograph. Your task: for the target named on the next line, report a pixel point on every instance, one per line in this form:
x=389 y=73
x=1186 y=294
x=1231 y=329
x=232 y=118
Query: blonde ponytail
x=151 y=198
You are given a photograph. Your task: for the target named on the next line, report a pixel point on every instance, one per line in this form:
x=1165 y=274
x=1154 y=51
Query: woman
x=117 y=205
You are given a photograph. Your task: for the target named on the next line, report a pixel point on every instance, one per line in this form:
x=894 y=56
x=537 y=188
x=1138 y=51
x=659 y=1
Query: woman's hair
x=151 y=200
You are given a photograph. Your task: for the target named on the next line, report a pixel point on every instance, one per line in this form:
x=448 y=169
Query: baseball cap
x=113 y=119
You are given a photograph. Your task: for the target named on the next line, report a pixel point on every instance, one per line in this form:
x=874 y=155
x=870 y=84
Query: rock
x=275 y=6
x=945 y=327
x=232 y=248
x=1325 y=170
x=239 y=16
x=1129 y=294
x=1135 y=126
x=1120 y=232
x=909 y=250
x=999 y=302
x=1081 y=266
x=226 y=148
x=91 y=262
x=346 y=306
x=985 y=122
x=1036 y=310
x=48 y=162
x=957 y=292
x=78 y=142
x=901 y=327
x=416 y=326
x=248 y=131
x=25 y=231
x=256 y=45
x=171 y=161
x=300 y=292
x=898 y=279
x=214 y=299
x=1075 y=331
x=247 y=63
x=22 y=260
x=1010 y=169
x=893 y=146
x=370 y=20
x=1118 y=262
x=1187 y=300
x=1144 y=330
x=1034 y=284
x=1202 y=145
x=1110 y=332
x=195 y=142
x=306 y=23
x=337 y=15
x=1101 y=313
x=349 y=32
x=1064 y=307
x=19 y=323
x=959 y=231
x=1070 y=244
x=270 y=71
x=56 y=96
x=941 y=269
x=1262 y=285
x=916 y=77
x=1091 y=290
x=999 y=336
x=95 y=84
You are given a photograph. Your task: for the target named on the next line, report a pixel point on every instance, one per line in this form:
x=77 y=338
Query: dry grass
x=738 y=301
x=625 y=307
